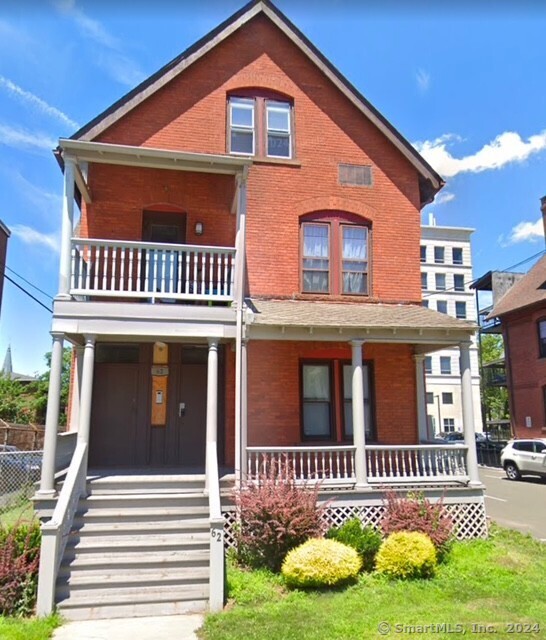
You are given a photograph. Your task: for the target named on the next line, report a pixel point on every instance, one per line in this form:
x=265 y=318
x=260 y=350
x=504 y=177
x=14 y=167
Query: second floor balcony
x=151 y=272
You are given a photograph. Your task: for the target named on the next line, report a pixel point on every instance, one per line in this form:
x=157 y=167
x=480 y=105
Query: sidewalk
x=156 y=628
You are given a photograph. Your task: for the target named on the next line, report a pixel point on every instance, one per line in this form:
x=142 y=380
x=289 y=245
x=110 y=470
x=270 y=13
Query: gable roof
x=430 y=181
x=528 y=291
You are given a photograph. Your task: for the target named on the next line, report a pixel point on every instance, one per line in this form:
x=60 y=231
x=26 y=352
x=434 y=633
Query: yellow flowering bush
x=320 y=563
x=406 y=555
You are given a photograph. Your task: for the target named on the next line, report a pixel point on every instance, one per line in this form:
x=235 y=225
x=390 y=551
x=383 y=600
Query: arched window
x=260 y=124
x=335 y=254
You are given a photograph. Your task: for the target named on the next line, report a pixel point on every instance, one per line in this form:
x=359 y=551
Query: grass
x=499 y=581
x=28 y=629
x=23 y=511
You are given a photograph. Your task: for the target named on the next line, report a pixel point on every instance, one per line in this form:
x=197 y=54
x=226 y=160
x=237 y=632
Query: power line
x=28 y=294
x=29 y=283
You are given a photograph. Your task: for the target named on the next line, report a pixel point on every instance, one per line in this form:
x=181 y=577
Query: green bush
x=406 y=555
x=321 y=563
x=364 y=540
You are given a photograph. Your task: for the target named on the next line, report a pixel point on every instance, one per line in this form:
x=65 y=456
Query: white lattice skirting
x=468 y=517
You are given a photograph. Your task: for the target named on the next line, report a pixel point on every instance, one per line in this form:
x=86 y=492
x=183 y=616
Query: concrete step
x=125 y=485
x=137 y=543
x=134 y=601
x=123 y=559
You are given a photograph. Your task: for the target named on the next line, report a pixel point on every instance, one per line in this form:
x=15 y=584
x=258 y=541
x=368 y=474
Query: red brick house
x=522 y=315
x=244 y=285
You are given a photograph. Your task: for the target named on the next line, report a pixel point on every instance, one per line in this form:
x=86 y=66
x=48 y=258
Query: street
x=518 y=505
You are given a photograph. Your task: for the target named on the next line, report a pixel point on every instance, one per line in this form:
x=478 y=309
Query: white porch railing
x=397 y=464
x=55 y=532
x=416 y=464
x=328 y=465
x=124 y=269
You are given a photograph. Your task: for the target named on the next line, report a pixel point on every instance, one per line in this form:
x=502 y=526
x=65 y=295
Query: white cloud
x=36 y=238
x=18 y=137
x=526 y=232
x=112 y=59
x=29 y=98
x=46 y=201
x=423 y=79
x=443 y=197
x=506 y=148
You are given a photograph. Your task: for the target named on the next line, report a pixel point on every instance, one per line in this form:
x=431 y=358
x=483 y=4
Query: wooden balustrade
x=123 y=269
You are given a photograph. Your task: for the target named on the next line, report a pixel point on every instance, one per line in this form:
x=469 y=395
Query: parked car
x=524 y=457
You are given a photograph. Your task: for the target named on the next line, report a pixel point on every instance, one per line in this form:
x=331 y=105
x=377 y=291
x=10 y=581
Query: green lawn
x=500 y=582
x=28 y=629
x=23 y=511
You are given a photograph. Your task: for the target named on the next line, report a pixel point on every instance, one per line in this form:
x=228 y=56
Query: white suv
x=524 y=457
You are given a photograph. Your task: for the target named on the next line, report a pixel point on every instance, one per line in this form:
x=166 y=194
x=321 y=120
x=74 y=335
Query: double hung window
x=335 y=258
x=260 y=127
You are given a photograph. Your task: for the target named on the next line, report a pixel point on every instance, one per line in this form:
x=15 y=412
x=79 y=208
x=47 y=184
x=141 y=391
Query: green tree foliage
x=27 y=403
x=495 y=399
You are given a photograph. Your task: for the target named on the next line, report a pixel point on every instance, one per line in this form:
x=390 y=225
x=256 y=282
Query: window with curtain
x=335 y=256
x=317 y=413
x=316 y=258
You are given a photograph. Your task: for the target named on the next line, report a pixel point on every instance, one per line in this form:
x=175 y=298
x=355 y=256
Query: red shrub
x=19 y=560
x=276 y=515
x=416 y=513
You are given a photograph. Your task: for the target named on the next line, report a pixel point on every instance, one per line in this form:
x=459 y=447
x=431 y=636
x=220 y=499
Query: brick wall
x=527 y=373
x=190 y=114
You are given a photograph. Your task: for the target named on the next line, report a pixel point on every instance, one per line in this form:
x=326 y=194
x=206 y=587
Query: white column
x=76 y=389
x=86 y=399
x=244 y=406
x=67 y=228
x=359 y=427
x=421 y=397
x=240 y=244
x=468 y=414
x=47 y=482
x=212 y=403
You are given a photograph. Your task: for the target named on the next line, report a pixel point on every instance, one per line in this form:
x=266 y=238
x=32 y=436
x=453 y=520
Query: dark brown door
x=158 y=226
x=181 y=441
x=114 y=415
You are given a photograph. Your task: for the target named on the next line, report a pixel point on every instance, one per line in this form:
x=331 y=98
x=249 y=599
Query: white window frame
x=282 y=107
x=246 y=103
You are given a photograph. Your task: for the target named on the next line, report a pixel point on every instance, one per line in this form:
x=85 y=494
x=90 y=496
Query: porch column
x=47 y=481
x=468 y=414
x=76 y=389
x=212 y=404
x=244 y=407
x=359 y=427
x=421 y=396
x=67 y=227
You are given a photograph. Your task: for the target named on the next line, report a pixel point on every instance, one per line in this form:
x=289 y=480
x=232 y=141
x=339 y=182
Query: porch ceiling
x=372 y=322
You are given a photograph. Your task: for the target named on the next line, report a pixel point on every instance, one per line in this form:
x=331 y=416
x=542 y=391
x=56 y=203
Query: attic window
x=260 y=126
x=355 y=175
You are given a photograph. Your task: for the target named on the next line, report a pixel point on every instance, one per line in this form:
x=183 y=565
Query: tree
x=495 y=399
x=27 y=403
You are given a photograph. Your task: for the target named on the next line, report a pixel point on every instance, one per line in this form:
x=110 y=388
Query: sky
x=464 y=84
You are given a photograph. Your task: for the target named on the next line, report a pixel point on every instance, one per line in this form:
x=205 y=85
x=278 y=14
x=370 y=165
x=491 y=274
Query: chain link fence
x=19 y=470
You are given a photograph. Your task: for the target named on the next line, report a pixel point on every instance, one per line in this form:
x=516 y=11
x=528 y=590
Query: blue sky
x=465 y=85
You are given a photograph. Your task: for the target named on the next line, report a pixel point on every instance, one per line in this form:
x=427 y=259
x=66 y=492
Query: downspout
x=240 y=297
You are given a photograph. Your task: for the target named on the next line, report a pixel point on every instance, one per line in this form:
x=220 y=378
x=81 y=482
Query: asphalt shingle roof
x=332 y=314
x=530 y=290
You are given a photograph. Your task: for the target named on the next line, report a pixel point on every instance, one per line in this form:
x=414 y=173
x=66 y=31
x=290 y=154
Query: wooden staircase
x=139 y=546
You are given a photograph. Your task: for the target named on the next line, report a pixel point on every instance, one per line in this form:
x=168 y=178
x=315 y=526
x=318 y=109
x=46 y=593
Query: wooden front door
x=181 y=440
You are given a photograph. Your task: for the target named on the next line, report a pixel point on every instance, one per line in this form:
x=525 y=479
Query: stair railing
x=55 y=532
x=217 y=561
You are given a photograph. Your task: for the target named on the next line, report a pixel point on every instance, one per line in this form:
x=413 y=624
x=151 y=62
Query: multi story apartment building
x=446 y=276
